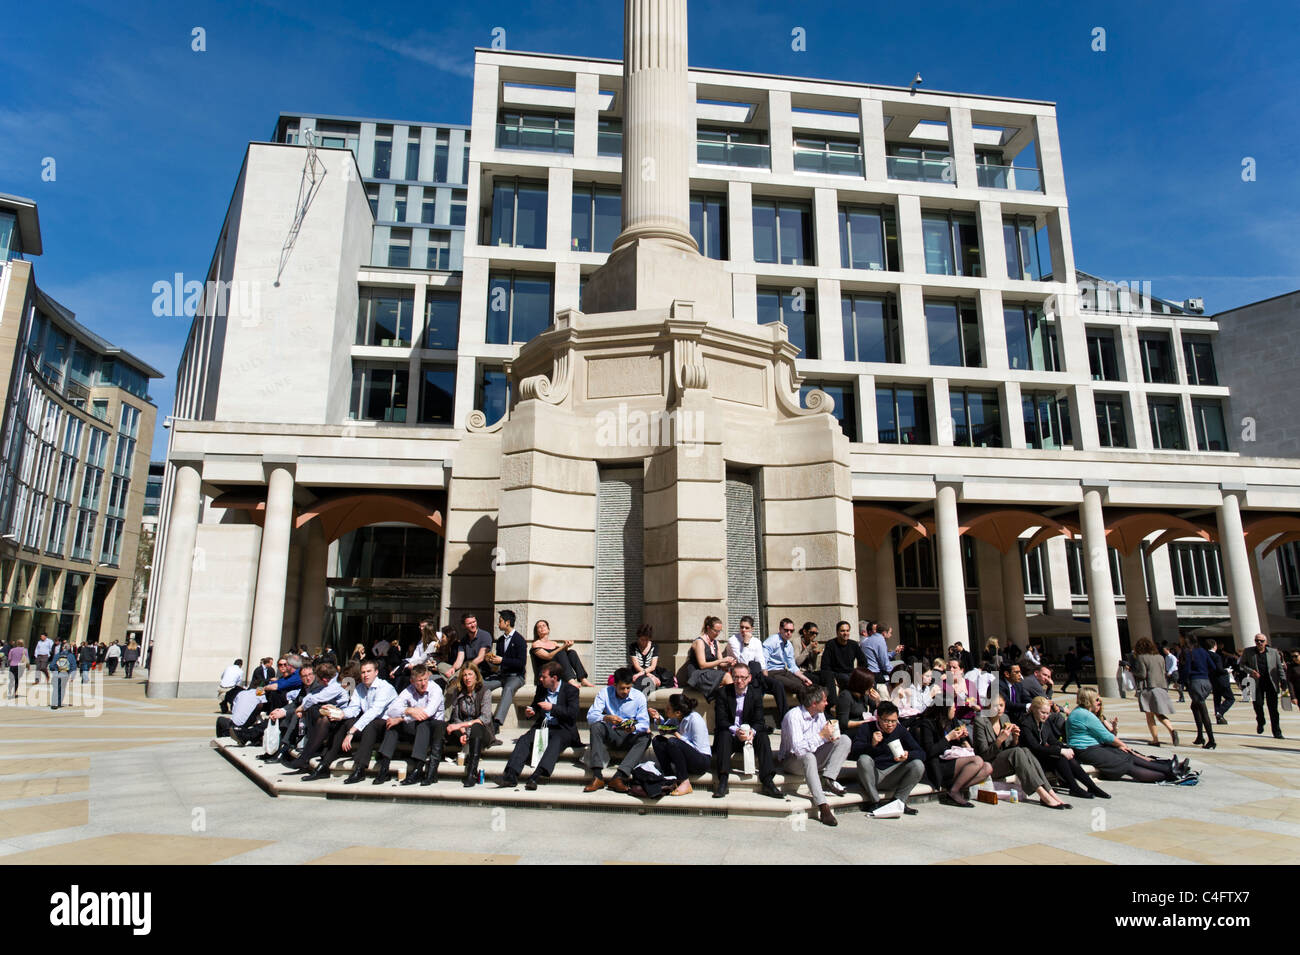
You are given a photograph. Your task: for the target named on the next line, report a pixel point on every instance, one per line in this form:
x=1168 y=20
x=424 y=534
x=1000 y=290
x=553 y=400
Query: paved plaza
x=140 y=784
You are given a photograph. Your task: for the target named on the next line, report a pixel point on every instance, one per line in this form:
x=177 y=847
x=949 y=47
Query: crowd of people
x=902 y=716
x=56 y=661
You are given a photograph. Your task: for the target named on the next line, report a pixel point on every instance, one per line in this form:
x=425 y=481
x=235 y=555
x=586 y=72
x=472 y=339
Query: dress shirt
x=751 y=652
x=368 y=703
x=740 y=708
x=430 y=702
x=552 y=697
x=44 y=647
x=232 y=676
x=801 y=732
x=1171 y=664
x=331 y=692
x=632 y=708
x=876 y=652
x=695 y=732
x=245 y=702
x=778 y=654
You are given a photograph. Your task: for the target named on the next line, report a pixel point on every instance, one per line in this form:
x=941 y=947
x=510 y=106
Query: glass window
x=1112 y=427
x=952 y=245
x=798 y=309
x=383 y=152
x=1197 y=569
x=709 y=225
x=428 y=209
x=597 y=217
x=609 y=136
x=1028 y=258
x=1031 y=341
x=846 y=409
x=732 y=147
x=439 y=251
x=902 y=415
x=1101 y=355
x=840 y=157
x=519 y=307
x=1157 y=359
x=953 y=329
x=1031 y=568
x=1167 y=424
x=384 y=317
x=399 y=249
x=1210 y=432
x=1047 y=420
x=372 y=196
x=539 y=132
x=441 y=152
x=870 y=328
x=378 y=392
x=457 y=207
x=868 y=239
x=413 y=155
x=519 y=214
x=919 y=163
x=399 y=204
x=437 y=393
x=442 y=321
x=783 y=233
x=976 y=418
x=493 y=394
x=1199 y=356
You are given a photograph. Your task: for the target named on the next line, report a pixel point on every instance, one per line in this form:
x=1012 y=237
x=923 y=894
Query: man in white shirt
x=416 y=714
x=747 y=647
x=813 y=747
x=359 y=725
x=231 y=677
x=44 y=650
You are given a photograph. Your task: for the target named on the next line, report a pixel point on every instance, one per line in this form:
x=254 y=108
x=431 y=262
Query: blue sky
x=147 y=135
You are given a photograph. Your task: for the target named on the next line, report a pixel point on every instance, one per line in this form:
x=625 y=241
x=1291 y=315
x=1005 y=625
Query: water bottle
x=480 y=777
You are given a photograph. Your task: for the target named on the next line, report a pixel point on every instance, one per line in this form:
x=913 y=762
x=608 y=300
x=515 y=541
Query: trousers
x=679 y=757
x=898 y=780
x=419 y=733
x=508 y=685
x=363 y=743
x=604 y=737
x=725 y=745
x=559 y=739
x=825 y=761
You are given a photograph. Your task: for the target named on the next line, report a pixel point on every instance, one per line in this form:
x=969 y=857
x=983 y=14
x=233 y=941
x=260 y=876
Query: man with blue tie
x=619 y=719
x=555 y=707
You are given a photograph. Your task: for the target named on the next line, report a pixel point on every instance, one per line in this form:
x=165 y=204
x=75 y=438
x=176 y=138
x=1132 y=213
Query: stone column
x=1013 y=599
x=952 y=581
x=886 y=585
x=657 y=139
x=312 y=591
x=174 y=590
x=1101 y=595
x=1135 y=598
x=1236 y=561
x=273 y=562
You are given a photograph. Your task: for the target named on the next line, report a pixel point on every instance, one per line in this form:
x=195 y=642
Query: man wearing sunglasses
x=1264 y=664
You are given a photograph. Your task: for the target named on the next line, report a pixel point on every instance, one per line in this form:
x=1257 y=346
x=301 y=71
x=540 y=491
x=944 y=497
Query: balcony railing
x=748 y=155
x=1019 y=178
x=544 y=139
x=609 y=144
x=829 y=161
x=912 y=169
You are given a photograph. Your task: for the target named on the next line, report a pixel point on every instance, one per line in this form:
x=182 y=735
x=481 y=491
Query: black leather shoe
x=317 y=774
x=430 y=774
x=414 y=775
x=532 y=784
x=1278 y=736
x=720 y=790
x=768 y=788
x=354 y=777
x=909 y=811
x=385 y=774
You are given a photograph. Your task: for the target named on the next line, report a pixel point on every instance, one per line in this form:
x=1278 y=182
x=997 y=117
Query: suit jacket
x=261 y=677
x=1030 y=688
x=1270 y=664
x=1014 y=710
x=513 y=651
x=566 y=709
x=724 y=709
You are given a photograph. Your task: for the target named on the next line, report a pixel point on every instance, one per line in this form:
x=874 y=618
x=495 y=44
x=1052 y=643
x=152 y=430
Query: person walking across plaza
x=1264 y=665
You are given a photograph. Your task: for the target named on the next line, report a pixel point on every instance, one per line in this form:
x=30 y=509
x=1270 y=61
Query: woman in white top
x=913 y=700
x=687 y=751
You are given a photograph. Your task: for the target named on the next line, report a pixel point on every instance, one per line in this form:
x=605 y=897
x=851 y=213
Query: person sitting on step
x=686 y=751
x=619 y=719
x=738 y=720
x=555 y=708
x=363 y=723
x=467 y=711
x=416 y=715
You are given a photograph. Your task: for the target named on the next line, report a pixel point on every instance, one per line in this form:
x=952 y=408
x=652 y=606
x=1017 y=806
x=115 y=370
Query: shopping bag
x=271 y=737
x=541 y=736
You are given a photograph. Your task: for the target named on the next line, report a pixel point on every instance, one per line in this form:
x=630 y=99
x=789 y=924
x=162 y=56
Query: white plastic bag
x=541 y=737
x=271 y=737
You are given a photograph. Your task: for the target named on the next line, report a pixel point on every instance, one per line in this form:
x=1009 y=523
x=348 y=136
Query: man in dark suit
x=554 y=706
x=1264 y=665
x=1037 y=683
x=737 y=720
x=262 y=675
x=1010 y=689
x=508 y=663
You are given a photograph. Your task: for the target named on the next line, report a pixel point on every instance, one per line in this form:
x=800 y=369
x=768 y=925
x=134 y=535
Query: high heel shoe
x=1210 y=745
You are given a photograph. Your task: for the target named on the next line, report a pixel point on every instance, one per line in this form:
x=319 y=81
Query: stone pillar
x=1135 y=598
x=174 y=590
x=1236 y=561
x=273 y=562
x=952 y=581
x=311 y=588
x=1101 y=595
x=1013 y=599
x=886 y=586
x=657 y=141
